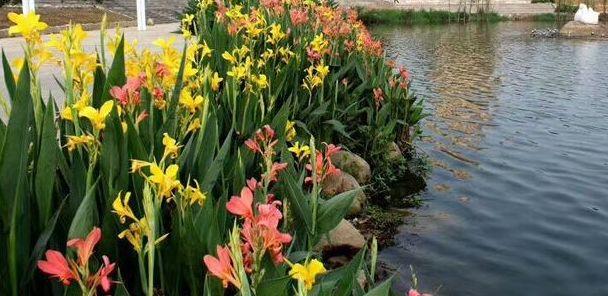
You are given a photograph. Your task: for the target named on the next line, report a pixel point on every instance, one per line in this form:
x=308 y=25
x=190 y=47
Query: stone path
x=13 y=49
x=161 y=11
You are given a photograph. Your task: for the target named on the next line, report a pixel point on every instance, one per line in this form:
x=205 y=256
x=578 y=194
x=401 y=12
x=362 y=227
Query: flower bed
x=195 y=171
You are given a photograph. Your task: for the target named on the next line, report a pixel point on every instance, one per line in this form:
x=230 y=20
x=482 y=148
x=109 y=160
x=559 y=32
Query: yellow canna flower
x=137 y=165
x=97 y=118
x=261 y=81
x=290 y=130
x=206 y=51
x=307 y=273
x=238 y=72
x=191 y=103
x=78 y=35
x=194 y=195
x=319 y=44
x=300 y=151
x=121 y=208
x=215 y=81
x=171 y=146
x=187 y=18
x=166 y=181
x=229 y=57
x=18 y=63
x=268 y=54
x=194 y=125
x=286 y=54
x=135 y=233
x=28 y=25
x=79 y=141
x=243 y=51
x=276 y=34
x=189 y=70
x=66 y=114
x=165 y=44
x=322 y=70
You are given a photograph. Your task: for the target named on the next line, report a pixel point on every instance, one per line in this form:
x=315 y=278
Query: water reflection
x=518 y=200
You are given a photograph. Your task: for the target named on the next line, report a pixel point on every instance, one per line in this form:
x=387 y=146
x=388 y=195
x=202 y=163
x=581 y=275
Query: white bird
x=586 y=15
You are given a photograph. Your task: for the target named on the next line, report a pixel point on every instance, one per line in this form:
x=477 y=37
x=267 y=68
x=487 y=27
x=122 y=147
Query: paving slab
x=13 y=48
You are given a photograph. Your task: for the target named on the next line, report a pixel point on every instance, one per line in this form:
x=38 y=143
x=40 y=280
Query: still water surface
x=517 y=203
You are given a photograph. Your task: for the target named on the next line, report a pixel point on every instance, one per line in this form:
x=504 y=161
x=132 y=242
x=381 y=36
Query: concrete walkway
x=160 y=11
x=13 y=48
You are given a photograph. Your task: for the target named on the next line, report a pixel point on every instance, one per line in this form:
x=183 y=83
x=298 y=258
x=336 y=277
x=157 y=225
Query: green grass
x=424 y=17
x=545 y=17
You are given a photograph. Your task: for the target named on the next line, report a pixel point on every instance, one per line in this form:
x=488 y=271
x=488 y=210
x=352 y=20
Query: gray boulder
x=336 y=184
x=394 y=153
x=353 y=164
x=580 y=30
x=345 y=235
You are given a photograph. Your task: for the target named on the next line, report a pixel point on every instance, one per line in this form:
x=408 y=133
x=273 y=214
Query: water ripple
x=526 y=121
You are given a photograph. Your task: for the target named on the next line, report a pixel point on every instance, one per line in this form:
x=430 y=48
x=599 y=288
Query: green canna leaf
x=116 y=74
x=46 y=165
x=348 y=275
x=217 y=166
x=86 y=216
x=297 y=199
x=99 y=82
x=41 y=243
x=14 y=149
x=384 y=289
x=333 y=210
x=9 y=80
x=274 y=287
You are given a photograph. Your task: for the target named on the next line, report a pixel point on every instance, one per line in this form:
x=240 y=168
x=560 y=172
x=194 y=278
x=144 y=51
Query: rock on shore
x=345 y=235
x=336 y=184
x=576 y=29
x=354 y=165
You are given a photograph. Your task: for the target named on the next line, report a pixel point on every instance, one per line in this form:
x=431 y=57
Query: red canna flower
x=222 y=267
x=404 y=73
x=378 y=96
x=263 y=138
x=129 y=93
x=269 y=214
x=298 y=16
x=85 y=247
x=323 y=165
x=142 y=116
x=253 y=184
x=162 y=70
x=253 y=146
x=121 y=94
x=275 y=170
x=242 y=206
x=104 y=274
x=57 y=266
x=312 y=55
x=259 y=238
x=414 y=292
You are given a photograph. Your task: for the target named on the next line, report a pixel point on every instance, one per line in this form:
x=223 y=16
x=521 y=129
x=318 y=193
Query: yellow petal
x=88 y=112
x=106 y=108
x=172 y=170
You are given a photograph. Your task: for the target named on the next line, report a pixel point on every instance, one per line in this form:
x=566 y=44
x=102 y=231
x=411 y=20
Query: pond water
x=517 y=202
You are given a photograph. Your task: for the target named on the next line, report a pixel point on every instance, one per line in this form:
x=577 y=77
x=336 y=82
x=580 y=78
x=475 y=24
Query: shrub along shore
x=225 y=167
x=435 y=17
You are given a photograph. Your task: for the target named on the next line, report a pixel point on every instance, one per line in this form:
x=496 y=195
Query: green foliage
x=422 y=17
x=62 y=178
x=545 y=17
